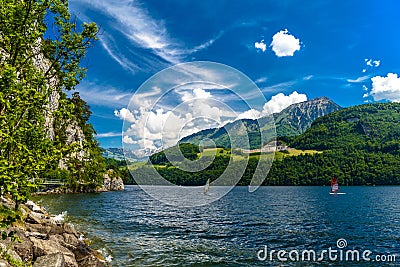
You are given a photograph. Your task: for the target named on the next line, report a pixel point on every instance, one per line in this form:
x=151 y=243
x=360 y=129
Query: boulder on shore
x=111 y=182
x=46 y=241
x=55 y=260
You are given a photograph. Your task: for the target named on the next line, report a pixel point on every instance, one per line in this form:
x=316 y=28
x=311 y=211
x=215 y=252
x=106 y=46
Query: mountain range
x=358 y=145
x=291 y=121
x=371 y=127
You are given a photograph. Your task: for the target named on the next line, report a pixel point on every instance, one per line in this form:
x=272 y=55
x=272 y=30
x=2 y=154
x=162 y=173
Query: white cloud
x=109 y=45
x=284 y=44
x=103 y=95
x=386 y=88
x=205 y=44
x=280 y=101
x=144 y=99
x=372 y=63
x=261 y=80
x=197 y=93
x=250 y=114
x=135 y=22
x=125 y=114
x=358 y=80
x=109 y=134
x=146 y=143
x=151 y=128
x=260 y=45
x=128 y=140
x=278 y=87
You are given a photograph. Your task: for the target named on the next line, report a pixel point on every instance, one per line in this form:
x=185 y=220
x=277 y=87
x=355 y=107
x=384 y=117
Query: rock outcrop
x=297 y=118
x=112 y=182
x=43 y=64
x=45 y=241
x=73 y=132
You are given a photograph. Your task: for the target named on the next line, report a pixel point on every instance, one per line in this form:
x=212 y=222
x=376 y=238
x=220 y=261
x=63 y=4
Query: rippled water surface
x=138 y=230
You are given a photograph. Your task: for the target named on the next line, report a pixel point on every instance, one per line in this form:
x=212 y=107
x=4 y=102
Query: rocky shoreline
x=46 y=241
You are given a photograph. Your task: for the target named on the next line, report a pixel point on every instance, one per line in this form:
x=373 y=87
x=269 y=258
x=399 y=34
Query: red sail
x=334 y=185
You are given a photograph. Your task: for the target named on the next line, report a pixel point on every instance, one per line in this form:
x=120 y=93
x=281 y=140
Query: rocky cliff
x=66 y=124
x=43 y=64
x=73 y=131
x=297 y=118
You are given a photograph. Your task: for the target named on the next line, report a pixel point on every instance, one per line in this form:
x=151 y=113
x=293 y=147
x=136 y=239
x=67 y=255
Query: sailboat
x=207 y=186
x=335 y=187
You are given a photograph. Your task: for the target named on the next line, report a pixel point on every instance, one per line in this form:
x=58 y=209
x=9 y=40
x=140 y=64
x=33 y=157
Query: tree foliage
x=41 y=48
x=176 y=154
x=371 y=127
x=121 y=170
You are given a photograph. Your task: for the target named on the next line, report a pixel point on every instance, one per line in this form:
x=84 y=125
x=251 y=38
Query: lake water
x=137 y=230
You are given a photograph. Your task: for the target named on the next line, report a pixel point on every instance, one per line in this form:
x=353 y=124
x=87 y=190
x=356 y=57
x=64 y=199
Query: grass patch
x=215 y=151
x=135 y=165
x=295 y=152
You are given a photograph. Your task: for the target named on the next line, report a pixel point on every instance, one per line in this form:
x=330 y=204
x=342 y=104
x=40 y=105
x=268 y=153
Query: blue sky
x=293 y=50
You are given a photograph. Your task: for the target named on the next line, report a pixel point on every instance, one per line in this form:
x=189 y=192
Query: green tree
x=35 y=60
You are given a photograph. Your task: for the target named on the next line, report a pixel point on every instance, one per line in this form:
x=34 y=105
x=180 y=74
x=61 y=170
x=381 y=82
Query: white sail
x=207 y=186
x=335 y=187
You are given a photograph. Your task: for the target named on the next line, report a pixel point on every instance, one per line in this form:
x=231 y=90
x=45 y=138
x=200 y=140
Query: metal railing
x=53 y=182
